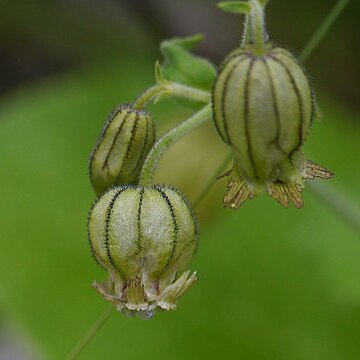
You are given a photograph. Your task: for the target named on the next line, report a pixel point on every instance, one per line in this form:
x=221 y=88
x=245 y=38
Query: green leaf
x=235 y=7
x=183 y=67
x=159 y=76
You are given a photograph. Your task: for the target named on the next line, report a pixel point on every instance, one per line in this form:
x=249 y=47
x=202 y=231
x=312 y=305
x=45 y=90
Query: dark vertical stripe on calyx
x=300 y=101
x=194 y=235
x=109 y=211
x=275 y=105
x=175 y=225
x=145 y=143
x=309 y=83
x=138 y=224
x=246 y=117
x=126 y=116
x=223 y=95
x=139 y=218
x=95 y=256
x=239 y=53
x=128 y=149
x=108 y=122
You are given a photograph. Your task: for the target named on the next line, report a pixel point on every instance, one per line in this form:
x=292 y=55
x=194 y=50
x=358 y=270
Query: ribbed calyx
x=119 y=155
x=145 y=239
x=263 y=109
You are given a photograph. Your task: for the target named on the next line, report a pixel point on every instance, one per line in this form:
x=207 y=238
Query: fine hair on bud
x=145 y=238
x=122 y=148
x=263 y=109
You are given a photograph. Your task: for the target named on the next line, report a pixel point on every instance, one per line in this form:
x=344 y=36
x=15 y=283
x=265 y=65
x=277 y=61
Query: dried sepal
x=313 y=171
x=238 y=193
x=286 y=194
x=286 y=191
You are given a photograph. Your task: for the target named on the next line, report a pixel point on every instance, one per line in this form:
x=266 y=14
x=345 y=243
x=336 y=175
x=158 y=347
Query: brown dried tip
x=238 y=193
x=313 y=171
x=104 y=291
x=286 y=193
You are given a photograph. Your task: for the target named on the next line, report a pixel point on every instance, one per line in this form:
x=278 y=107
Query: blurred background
x=274 y=283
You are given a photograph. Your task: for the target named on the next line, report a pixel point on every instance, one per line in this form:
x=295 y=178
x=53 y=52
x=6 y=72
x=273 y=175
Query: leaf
x=183 y=67
x=159 y=76
x=235 y=7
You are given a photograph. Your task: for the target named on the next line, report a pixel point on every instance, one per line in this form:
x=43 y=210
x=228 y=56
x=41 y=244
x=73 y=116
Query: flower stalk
x=167 y=89
x=257 y=26
x=151 y=162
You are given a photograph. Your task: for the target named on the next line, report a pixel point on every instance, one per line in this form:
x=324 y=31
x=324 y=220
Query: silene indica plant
x=263 y=106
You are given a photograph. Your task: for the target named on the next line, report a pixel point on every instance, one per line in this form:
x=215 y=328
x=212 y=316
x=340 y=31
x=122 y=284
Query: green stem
x=257 y=20
x=323 y=29
x=247 y=31
x=147 y=96
x=81 y=345
x=147 y=173
x=219 y=171
x=339 y=203
x=171 y=89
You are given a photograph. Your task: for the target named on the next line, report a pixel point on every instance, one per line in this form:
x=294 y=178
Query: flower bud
x=263 y=109
x=122 y=148
x=145 y=239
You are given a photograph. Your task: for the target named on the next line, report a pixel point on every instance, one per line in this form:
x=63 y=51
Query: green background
x=274 y=283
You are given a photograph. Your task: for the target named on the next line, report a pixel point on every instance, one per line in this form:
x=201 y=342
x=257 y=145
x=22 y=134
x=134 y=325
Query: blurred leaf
x=159 y=77
x=183 y=67
x=71 y=30
x=235 y=7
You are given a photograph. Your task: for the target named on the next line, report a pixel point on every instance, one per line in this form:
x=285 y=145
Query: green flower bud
x=263 y=109
x=145 y=239
x=122 y=148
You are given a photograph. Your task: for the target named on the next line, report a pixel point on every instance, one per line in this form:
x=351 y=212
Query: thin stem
x=147 y=96
x=81 y=345
x=323 y=29
x=147 y=173
x=339 y=203
x=188 y=92
x=218 y=172
x=247 y=31
x=257 y=19
x=171 y=89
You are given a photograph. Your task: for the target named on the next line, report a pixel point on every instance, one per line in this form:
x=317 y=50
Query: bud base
x=284 y=191
x=142 y=297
